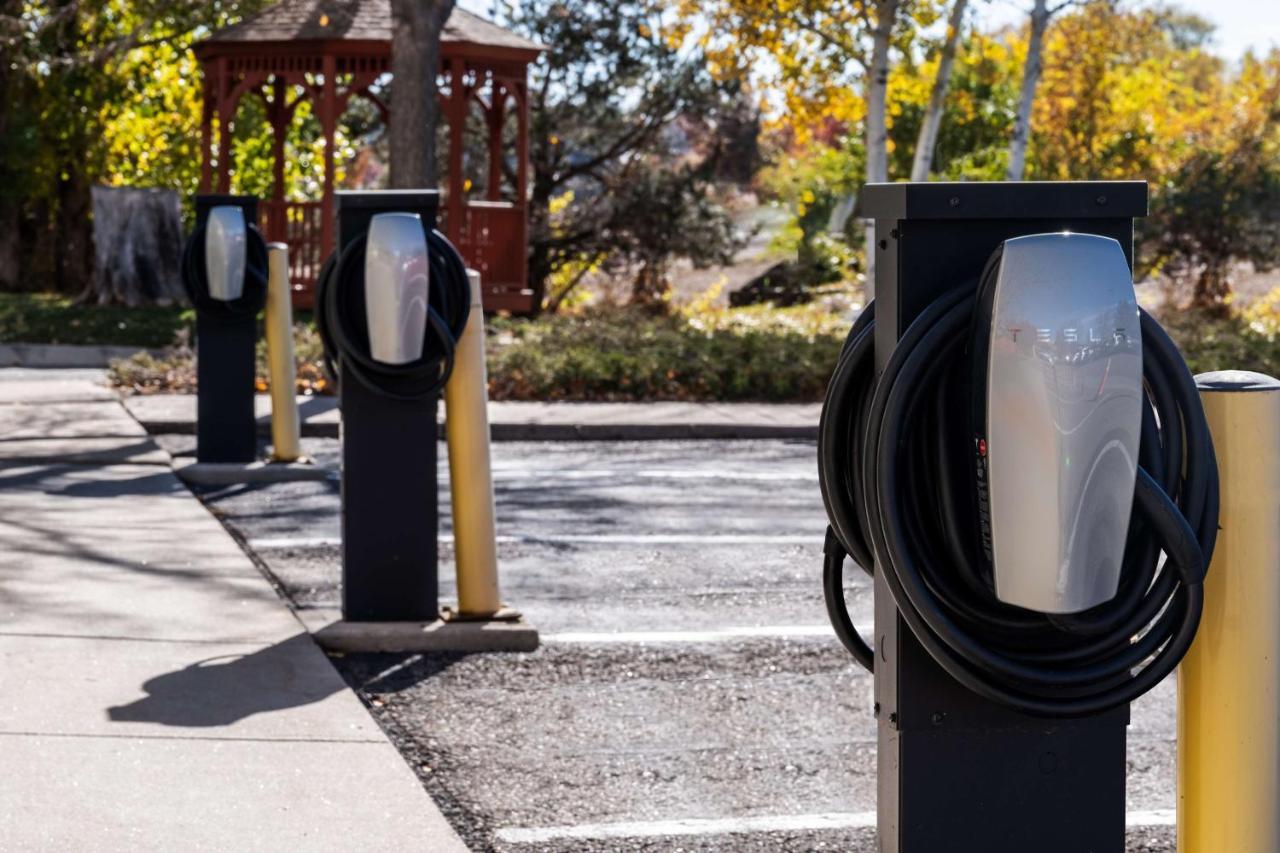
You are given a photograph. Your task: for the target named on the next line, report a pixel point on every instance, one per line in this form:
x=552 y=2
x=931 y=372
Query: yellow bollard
x=286 y=443
x=1229 y=682
x=467 y=432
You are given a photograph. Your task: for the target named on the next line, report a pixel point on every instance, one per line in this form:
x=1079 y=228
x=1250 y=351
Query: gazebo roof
x=357 y=20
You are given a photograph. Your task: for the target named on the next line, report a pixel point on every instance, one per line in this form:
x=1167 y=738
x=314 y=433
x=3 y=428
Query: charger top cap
x=396 y=286
x=1058 y=432
x=226 y=250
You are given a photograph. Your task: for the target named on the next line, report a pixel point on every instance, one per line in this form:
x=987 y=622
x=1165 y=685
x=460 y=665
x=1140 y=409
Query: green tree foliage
x=95 y=91
x=1221 y=203
x=623 y=107
x=1128 y=92
x=108 y=91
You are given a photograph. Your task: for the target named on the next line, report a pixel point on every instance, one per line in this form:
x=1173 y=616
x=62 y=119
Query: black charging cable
x=342 y=321
x=895 y=462
x=195 y=277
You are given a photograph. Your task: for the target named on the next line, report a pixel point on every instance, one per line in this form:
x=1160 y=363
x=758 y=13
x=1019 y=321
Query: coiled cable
x=195 y=278
x=342 y=322
x=894 y=463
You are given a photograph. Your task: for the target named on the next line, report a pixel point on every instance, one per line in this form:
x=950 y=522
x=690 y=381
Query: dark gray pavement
x=688 y=696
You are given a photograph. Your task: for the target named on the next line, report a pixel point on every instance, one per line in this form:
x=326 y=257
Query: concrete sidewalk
x=155 y=694
x=518 y=421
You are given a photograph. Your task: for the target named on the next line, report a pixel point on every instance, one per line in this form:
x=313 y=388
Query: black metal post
x=226 y=429
x=389 y=500
x=956 y=772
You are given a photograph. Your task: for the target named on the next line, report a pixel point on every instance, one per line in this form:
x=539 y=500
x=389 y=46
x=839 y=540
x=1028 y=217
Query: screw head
x=1101 y=200
x=955 y=201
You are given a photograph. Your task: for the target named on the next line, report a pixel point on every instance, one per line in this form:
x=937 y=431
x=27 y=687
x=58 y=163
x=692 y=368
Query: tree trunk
x=137 y=237
x=73 y=229
x=922 y=164
x=1212 y=287
x=540 y=264
x=10 y=243
x=10 y=210
x=415 y=62
x=1030 y=78
x=650 y=286
x=10 y=256
x=877 y=123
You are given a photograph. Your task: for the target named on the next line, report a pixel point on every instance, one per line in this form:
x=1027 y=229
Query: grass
x=44 y=318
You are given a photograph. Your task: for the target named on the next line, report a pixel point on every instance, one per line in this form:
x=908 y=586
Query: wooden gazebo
x=333 y=50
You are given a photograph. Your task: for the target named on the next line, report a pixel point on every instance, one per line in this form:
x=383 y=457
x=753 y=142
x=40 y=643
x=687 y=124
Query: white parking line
x=680 y=539
x=816 y=538
x=714 y=635
x=725 y=826
x=1152 y=817
x=544 y=474
x=691 y=826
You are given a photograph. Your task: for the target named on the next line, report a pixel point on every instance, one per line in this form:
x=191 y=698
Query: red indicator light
x=982 y=447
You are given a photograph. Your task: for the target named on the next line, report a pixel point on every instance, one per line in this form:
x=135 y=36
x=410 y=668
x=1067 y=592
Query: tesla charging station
x=1008 y=444
x=390 y=305
x=224 y=270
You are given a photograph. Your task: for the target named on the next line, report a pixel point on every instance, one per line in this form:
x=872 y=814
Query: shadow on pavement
x=222 y=690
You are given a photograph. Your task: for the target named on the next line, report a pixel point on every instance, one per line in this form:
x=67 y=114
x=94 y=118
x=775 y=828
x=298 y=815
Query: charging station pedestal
x=955 y=771
x=389 y=499
x=226 y=427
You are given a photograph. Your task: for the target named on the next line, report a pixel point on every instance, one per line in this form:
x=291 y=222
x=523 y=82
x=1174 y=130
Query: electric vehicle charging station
x=224 y=270
x=1008 y=443
x=390 y=305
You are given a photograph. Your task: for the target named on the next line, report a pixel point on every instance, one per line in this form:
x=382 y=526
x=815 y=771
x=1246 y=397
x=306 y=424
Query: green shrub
x=1244 y=340
x=620 y=354
x=758 y=353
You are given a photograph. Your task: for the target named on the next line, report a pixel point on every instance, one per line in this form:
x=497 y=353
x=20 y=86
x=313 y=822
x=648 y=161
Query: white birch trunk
x=1030 y=78
x=876 y=122
x=922 y=164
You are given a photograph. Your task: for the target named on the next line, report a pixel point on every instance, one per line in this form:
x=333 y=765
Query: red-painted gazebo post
x=522 y=148
x=456 y=108
x=329 y=124
x=497 y=114
x=226 y=108
x=206 y=133
x=279 y=115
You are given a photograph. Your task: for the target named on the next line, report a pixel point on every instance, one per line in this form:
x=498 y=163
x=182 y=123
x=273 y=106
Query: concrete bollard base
x=235 y=473
x=336 y=634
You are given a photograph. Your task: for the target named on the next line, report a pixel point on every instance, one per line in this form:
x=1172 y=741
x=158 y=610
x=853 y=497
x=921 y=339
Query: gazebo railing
x=492 y=239
x=299 y=224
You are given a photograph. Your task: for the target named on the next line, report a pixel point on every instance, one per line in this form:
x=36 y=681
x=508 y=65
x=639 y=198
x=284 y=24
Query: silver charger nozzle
x=226 y=245
x=396 y=287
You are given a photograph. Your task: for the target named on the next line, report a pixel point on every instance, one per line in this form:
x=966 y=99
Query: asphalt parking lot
x=688 y=694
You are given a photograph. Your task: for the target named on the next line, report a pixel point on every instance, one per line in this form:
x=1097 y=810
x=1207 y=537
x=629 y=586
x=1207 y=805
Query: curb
x=557 y=432
x=64 y=355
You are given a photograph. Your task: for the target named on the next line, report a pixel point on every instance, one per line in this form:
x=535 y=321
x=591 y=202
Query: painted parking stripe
x=655 y=474
x=816 y=538
x=715 y=635
x=679 y=539
x=726 y=826
x=692 y=826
